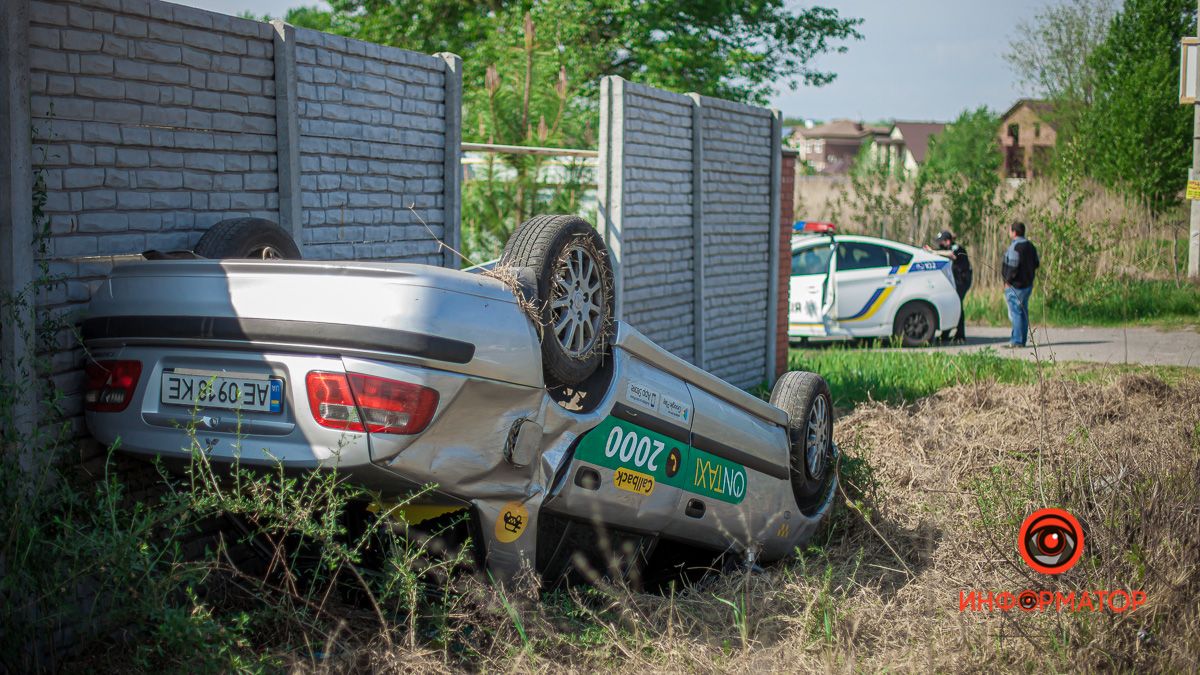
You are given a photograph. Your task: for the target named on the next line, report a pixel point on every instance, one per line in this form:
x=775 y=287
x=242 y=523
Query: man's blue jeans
x=1018 y=313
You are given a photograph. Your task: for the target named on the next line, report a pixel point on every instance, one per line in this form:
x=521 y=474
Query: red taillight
x=110 y=385
x=332 y=402
x=356 y=402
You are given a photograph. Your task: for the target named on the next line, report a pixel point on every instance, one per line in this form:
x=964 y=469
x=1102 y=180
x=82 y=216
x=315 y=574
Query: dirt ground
x=956 y=473
x=935 y=494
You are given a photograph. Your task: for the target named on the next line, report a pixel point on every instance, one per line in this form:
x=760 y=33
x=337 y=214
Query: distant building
x=906 y=144
x=1027 y=138
x=831 y=148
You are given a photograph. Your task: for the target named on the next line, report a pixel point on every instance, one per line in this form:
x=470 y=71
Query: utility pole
x=1194 y=228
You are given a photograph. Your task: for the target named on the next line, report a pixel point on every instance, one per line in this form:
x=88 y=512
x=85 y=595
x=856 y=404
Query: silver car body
x=679 y=453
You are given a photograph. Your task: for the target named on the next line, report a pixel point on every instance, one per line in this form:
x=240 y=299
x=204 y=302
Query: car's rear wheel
x=253 y=238
x=806 y=399
x=915 y=324
x=574 y=293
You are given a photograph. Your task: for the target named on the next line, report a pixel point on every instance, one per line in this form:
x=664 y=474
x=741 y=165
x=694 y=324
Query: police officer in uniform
x=960 y=267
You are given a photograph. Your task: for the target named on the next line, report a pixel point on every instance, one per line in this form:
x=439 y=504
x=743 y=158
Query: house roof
x=916 y=136
x=835 y=129
x=1041 y=108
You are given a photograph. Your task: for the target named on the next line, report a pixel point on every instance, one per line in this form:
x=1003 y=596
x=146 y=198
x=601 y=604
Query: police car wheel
x=915 y=324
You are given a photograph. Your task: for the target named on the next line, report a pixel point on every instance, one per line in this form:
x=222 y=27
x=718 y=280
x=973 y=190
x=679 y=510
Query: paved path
x=1149 y=346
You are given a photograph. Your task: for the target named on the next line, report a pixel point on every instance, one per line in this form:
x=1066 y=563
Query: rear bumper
x=473 y=417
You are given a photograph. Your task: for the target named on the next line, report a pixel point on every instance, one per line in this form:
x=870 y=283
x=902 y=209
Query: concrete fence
x=690 y=205
x=151 y=121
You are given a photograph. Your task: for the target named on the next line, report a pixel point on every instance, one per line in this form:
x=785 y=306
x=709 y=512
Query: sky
x=918 y=59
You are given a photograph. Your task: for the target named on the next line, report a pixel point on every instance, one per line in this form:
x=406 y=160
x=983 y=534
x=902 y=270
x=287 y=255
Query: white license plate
x=230 y=391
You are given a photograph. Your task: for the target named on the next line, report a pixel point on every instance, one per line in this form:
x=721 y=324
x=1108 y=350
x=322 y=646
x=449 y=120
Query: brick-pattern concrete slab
x=658 y=223
x=689 y=191
x=372 y=145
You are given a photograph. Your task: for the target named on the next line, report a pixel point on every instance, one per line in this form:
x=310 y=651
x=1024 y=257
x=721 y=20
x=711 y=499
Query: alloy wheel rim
x=266 y=253
x=915 y=326
x=575 y=306
x=816 y=441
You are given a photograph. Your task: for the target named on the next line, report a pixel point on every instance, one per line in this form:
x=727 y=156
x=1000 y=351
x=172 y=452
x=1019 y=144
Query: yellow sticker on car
x=511 y=523
x=633 y=481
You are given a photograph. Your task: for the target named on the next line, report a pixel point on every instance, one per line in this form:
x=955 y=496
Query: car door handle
x=892 y=281
x=695 y=508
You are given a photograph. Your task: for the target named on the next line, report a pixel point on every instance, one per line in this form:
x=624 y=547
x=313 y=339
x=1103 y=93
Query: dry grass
x=937 y=510
x=1132 y=241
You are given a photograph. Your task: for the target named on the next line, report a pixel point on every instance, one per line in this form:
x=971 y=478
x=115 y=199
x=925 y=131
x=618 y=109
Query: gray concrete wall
x=152 y=121
x=738 y=228
x=656 y=246
x=372 y=144
x=658 y=151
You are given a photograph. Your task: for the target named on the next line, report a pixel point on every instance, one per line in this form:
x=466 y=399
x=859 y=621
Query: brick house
x=1027 y=138
x=831 y=148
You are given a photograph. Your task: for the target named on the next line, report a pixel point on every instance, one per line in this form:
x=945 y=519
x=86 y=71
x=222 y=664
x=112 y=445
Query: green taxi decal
x=620 y=444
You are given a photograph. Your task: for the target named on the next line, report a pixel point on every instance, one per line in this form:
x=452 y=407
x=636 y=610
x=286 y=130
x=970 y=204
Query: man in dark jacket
x=960 y=268
x=1018 y=269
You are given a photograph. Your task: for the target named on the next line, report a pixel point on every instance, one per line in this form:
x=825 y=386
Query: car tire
x=253 y=238
x=806 y=399
x=574 y=304
x=915 y=324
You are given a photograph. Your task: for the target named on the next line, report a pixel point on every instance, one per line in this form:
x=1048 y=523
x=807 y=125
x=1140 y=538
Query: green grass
x=859 y=373
x=856 y=374
x=1103 y=303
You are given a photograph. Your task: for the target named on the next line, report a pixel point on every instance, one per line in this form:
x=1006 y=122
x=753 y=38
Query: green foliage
x=877 y=196
x=1135 y=136
x=964 y=166
x=739 y=50
x=1113 y=301
x=1050 y=53
x=1070 y=252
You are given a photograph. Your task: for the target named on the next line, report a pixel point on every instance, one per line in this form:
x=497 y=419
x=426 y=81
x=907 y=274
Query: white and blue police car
x=852 y=286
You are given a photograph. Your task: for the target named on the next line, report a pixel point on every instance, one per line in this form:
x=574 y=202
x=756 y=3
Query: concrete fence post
x=16 y=214
x=609 y=182
x=452 y=179
x=698 y=229
x=287 y=130
x=773 y=254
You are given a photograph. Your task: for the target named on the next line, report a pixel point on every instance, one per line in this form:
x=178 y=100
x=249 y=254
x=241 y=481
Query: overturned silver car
x=524 y=402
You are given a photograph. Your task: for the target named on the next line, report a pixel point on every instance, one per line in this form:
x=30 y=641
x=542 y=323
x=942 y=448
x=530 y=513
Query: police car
x=851 y=286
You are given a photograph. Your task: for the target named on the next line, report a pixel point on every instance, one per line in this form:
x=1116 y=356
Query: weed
x=1115 y=301
x=859 y=375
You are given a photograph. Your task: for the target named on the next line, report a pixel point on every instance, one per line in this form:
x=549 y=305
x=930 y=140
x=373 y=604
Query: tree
x=740 y=49
x=1135 y=136
x=964 y=166
x=1051 y=53
x=875 y=195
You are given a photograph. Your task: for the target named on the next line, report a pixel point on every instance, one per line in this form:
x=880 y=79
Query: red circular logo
x=1051 y=541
